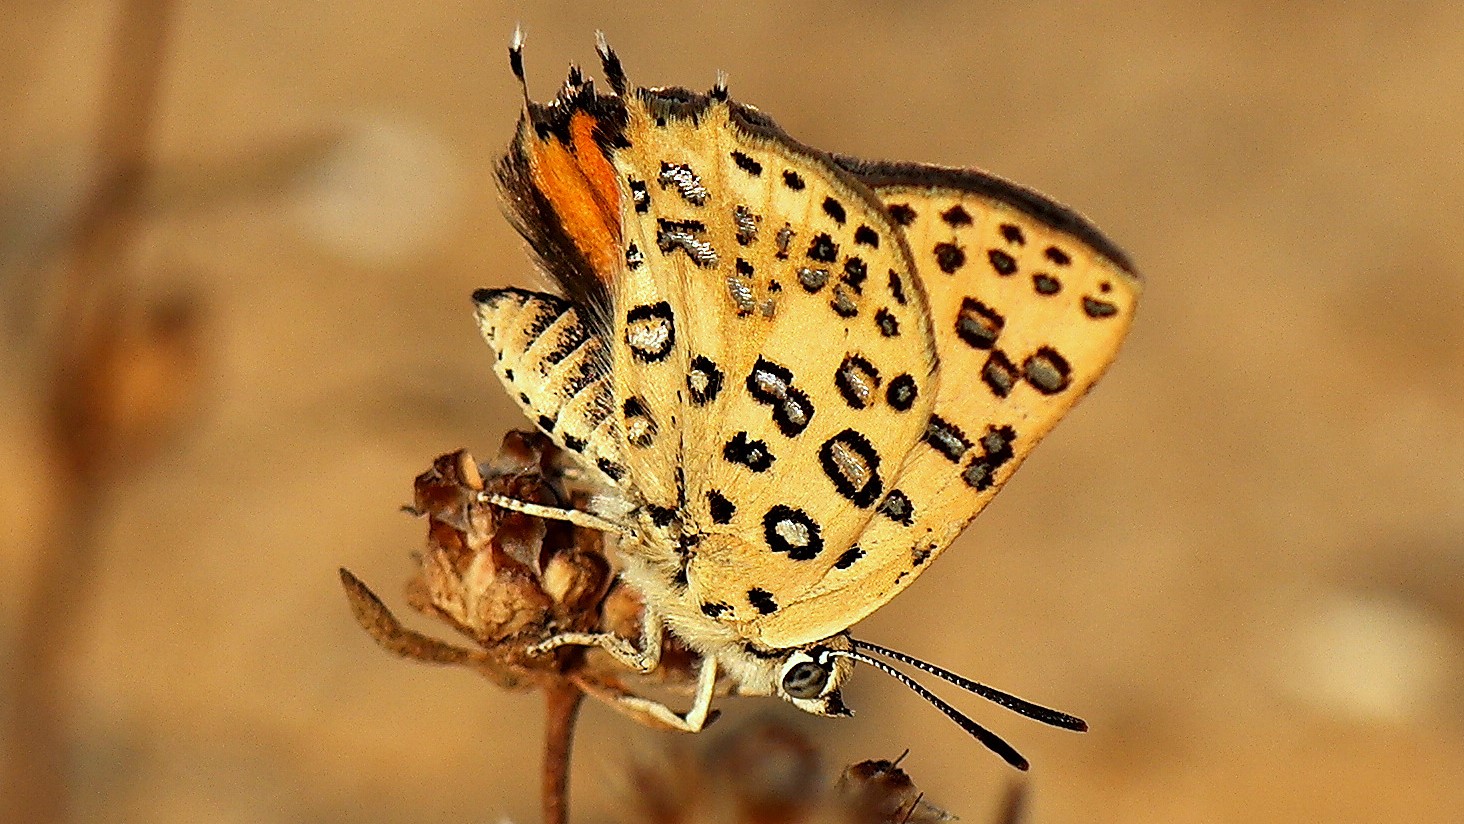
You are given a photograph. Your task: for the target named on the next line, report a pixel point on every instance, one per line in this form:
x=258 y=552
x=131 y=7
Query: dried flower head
x=508 y=580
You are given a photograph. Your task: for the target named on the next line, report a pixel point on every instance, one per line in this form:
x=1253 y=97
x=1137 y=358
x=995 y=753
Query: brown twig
x=84 y=425
x=561 y=705
x=509 y=581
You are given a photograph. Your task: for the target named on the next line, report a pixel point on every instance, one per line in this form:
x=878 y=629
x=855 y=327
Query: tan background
x=1254 y=585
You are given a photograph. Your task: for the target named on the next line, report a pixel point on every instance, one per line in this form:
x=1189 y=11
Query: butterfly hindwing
x=1029 y=305
x=556 y=365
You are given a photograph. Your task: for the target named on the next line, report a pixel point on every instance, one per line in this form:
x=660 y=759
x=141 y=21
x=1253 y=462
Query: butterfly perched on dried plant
x=794 y=376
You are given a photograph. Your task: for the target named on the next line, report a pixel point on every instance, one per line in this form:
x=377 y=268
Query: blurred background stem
x=86 y=446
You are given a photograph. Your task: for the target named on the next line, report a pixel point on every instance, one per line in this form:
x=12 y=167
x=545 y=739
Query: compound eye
x=805 y=679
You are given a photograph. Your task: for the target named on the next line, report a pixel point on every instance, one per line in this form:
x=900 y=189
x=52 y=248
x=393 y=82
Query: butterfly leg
x=644 y=659
x=554 y=513
x=657 y=714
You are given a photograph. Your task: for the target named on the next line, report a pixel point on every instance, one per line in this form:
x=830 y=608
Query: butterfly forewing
x=1029 y=305
x=777 y=378
x=805 y=374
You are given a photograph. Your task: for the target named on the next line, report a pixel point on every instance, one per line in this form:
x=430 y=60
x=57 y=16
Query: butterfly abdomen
x=555 y=365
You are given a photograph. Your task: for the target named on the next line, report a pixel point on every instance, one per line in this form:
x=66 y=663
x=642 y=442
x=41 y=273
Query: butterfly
x=794 y=376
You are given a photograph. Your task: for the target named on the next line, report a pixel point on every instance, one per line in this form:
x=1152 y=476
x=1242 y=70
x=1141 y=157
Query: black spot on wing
x=688 y=237
x=720 y=508
x=835 y=210
x=685 y=181
x=650 y=331
x=897 y=507
x=661 y=516
x=857 y=380
x=703 y=380
x=866 y=236
x=792 y=532
x=762 y=600
x=999 y=373
x=1094 y=308
x=949 y=257
x=747 y=223
x=901 y=393
x=812 y=280
x=612 y=470
x=996 y=451
x=751 y=453
x=771 y=384
x=851 y=462
x=897 y=287
x=747 y=164
x=855 y=273
x=978 y=324
x=956 y=216
x=946 y=438
x=888 y=324
x=1047 y=371
x=1003 y=263
x=843 y=303
x=823 y=249
x=640 y=195
x=784 y=241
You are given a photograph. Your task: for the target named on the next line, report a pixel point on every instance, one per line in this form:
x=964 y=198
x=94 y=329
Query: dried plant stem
x=35 y=752
x=128 y=121
x=562 y=705
x=34 y=784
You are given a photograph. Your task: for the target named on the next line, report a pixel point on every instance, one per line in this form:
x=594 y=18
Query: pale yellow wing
x=771 y=362
x=1029 y=304
x=777 y=377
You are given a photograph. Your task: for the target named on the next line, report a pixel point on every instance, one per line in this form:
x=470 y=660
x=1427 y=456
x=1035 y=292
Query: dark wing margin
x=880 y=174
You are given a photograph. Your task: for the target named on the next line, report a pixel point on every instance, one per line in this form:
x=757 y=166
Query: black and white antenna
x=989 y=739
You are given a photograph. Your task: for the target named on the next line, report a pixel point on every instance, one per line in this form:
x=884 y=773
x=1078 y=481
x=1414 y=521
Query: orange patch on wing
x=580 y=184
x=596 y=167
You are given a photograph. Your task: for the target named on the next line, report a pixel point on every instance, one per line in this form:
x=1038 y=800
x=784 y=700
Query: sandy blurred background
x=1255 y=592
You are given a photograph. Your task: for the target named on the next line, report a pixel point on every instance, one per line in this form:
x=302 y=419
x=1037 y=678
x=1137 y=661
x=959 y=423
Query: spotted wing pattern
x=779 y=382
x=805 y=374
x=1029 y=304
x=771 y=361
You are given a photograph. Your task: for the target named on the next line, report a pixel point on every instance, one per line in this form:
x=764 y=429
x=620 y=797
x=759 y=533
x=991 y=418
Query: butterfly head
x=809 y=677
